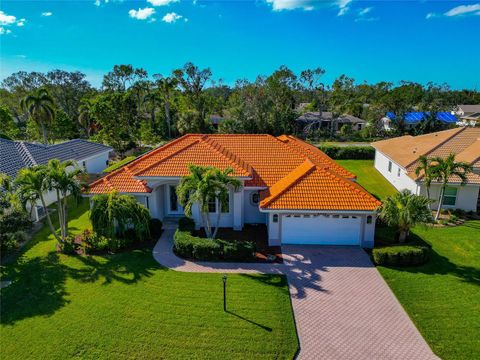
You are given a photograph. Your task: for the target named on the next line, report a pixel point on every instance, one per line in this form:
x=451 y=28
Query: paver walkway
x=343 y=308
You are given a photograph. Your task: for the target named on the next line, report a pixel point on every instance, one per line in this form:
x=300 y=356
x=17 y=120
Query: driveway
x=343 y=308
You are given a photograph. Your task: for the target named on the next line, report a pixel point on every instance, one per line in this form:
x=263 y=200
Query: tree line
x=133 y=108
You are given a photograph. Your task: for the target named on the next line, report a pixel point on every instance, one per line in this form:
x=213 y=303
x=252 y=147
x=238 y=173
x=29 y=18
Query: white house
x=16 y=155
x=302 y=195
x=469 y=115
x=396 y=159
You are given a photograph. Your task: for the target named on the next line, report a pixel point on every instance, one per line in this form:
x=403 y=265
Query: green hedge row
x=188 y=246
x=348 y=152
x=401 y=255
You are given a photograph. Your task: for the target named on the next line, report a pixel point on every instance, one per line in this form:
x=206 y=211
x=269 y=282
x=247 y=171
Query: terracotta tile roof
x=305 y=188
x=285 y=166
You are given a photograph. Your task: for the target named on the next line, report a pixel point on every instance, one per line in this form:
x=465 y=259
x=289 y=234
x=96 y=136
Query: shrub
x=94 y=242
x=189 y=246
x=155 y=226
x=186 y=224
x=238 y=251
x=71 y=245
x=404 y=255
x=116 y=244
x=348 y=152
x=10 y=241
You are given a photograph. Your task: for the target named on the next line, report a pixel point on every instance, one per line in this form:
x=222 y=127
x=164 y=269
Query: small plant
x=404 y=255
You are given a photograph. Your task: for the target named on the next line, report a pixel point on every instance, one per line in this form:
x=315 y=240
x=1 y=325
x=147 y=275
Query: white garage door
x=321 y=229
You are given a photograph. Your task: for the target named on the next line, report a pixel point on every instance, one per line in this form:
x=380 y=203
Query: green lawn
x=369 y=177
x=443 y=296
x=126 y=306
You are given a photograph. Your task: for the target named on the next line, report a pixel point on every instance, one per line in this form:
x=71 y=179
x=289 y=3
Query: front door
x=173 y=207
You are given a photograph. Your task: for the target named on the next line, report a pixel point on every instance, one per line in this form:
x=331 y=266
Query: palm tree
x=425 y=167
x=34 y=180
x=205 y=184
x=166 y=87
x=444 y=170
x=152 y=98
x=85 y=117
x=404 y=210
x=63 y=177
x=40 y=107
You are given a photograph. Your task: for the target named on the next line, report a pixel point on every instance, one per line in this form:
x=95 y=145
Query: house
x=469 y=115
x=325 y=120
x=302 y=195
x=215 y=120
x=413 y=118
x=396 y=159
x=16 y=155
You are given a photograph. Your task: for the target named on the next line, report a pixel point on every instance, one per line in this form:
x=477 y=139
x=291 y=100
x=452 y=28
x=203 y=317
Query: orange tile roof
x=292 y=171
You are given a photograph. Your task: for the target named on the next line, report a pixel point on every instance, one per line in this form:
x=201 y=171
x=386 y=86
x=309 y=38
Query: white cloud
x=47 y=13
x=343 y=6
x=4 y=31
x=464 y=10
x=279 y=5
x=162 y=2
x=141 y=14
x=21 y=22
x=430 y=15
x=171 y=17
x=7 y=19
x=364 y=11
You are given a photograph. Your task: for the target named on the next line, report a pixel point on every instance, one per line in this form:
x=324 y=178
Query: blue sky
x=368 y=40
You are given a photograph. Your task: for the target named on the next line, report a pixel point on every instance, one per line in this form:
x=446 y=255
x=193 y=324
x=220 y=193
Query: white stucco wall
x=467 y=196
x=251 y=212
x=399 y=180
x=95 y=164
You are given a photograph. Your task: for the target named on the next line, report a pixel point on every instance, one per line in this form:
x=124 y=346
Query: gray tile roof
x=15 y=155
x=314 y=116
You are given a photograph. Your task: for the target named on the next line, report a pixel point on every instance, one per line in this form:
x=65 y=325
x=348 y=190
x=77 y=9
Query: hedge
x=188 y=246
x=348 y=152
x=186 y=224
x=401 y=255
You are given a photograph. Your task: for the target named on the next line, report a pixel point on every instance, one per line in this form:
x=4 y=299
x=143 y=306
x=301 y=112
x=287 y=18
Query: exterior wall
x=251 y=212
x=400 y=182
x=274 y=230
x=96 y=164
x=156 y=201
x=368 y=238
x=467 y=196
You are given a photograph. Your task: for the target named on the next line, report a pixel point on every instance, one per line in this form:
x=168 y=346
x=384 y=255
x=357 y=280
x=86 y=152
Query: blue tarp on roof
x=417 y=116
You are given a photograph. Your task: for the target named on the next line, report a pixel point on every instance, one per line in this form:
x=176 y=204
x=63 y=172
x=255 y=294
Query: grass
x=118 y=164
x=126 y=306
x=442 y=297
x=369 y=177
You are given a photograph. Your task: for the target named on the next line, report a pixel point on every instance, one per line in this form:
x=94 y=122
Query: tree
x=112 y=212
x=41 y=109
x=404 y=210
x=122 y=77
x=86 y=117
x=424 y=168
x=166 y=89
x=203 y=185
x=64 y=179
x=444 y=170
x=7 y=125
x=34 y=180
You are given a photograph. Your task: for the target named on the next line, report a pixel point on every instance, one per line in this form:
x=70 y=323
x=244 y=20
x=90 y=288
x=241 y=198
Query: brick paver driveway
x=345 y=310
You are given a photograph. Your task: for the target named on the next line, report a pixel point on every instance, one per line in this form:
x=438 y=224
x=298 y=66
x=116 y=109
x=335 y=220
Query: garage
x=321 y=229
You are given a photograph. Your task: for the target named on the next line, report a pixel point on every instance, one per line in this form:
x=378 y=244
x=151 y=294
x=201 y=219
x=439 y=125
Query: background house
x=325 y=120
x=469 y=115
x=16 y=155
x=413 y=118
x=396 y=159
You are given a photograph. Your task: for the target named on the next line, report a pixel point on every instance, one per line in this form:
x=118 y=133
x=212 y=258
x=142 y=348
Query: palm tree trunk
x=218 y=222
x=44 y=133
x=65 y=216
x=440 y=201
x=167 y=116
x=428 y=197
x=60 y=214
x=208 y=229
x=49 y=220
x=402 y=236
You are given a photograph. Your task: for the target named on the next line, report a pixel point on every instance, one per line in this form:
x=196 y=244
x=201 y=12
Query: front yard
x=126 y=306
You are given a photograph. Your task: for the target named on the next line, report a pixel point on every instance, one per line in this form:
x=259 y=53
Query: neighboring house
x=414 y=117
x=469 y=115
x=325 y=119
x=397 y=158
x=302 y=195
x=215 y=120
x=16 y=155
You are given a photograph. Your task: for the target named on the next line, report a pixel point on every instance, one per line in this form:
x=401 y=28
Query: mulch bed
x=256 y=233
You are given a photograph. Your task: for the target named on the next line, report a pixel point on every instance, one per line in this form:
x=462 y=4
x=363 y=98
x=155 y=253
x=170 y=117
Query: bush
x=155 y=226
x=348 y=152
x=94 y=242
x=10 y=241
x=188 y=246
x=186 y=224
x=402 y=255
x=71 y=245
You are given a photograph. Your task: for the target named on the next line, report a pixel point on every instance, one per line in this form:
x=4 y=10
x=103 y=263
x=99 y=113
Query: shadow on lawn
x=38 y=287
x=269 y=329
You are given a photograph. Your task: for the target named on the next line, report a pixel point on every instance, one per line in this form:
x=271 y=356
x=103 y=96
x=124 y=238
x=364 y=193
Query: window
x=106 y=162
x=212 y=205
x=398 y=172
x=389 y=166
x=369 y=219
x=147 y=202
x=173 y=199
x=450 y=196
x=84 y=164
x=275 y=218
x=255 y=198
